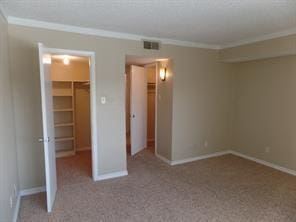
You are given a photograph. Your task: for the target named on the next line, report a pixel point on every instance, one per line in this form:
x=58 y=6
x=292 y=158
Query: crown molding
x=128 y=36
x=261 y=38
x=103 y=33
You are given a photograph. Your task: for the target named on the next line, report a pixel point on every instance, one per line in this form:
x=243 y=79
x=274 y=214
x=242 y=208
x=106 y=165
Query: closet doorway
x=69 y=118
x=141 y=76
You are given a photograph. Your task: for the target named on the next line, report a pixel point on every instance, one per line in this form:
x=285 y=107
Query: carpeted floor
x=225 y=188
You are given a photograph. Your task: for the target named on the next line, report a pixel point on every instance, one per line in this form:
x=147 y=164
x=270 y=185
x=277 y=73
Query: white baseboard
x=163 y=158
x=263 y=162
x=176 y=162
x=22 y=193
x=83 y=148
x=111 y=175
x=16 y=209
x=33 y=190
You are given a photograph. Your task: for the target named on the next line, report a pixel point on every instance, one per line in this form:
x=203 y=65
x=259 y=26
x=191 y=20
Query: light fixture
x=66 y=60
x=162 y=74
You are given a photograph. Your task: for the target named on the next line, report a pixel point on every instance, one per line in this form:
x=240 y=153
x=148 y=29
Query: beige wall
x=261 y=50
x=151 y=71
x=202 y=104
x=8 y=155
x=75 y=71
x=195 y=71
x=82 y=117
x=265 y=110
x=165 y=110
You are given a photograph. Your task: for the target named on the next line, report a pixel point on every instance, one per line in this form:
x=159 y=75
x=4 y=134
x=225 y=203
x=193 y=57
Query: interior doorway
x=141 y=76
x=72 y=123
x=69 y=117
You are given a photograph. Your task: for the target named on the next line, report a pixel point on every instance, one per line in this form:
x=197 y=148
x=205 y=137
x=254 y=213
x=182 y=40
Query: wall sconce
x=66 y=60
x=162 y=73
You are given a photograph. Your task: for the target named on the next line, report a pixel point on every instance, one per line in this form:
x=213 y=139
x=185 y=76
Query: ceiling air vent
x=151 y=45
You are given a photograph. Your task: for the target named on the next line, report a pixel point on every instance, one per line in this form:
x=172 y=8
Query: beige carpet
x=224 y=188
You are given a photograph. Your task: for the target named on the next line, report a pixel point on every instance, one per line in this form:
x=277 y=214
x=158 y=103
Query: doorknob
x=133 y=116
x=44 y=140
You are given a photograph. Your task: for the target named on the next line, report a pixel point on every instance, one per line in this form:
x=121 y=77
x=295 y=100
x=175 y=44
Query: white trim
x=93 y=105
x=260 y=38
x=3 y=13
x=32 y=191
x=259 y=161
x=103 y=33
x=162 y=158
x=16 y=209
x=263 y=162
x=111 y=175
x=93 y=116
x=176 y=162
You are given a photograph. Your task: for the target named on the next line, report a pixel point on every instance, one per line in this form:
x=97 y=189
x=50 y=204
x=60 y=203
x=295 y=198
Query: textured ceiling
x=218 y=22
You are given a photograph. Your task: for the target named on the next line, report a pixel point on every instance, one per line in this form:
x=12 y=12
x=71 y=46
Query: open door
x=138 y=103
x=48 y=127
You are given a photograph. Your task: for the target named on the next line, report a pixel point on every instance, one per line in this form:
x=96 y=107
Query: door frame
x=93 y=107
x=155 y=64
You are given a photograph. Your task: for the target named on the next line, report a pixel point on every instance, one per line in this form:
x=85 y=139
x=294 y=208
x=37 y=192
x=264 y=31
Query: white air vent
x=151 y=45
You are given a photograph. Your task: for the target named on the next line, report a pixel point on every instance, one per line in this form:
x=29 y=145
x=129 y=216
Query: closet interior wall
x=151 y=90
x=71 y=105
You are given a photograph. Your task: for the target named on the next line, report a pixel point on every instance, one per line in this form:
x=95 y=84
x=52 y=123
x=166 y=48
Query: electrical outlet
x=267 y=149
x=206 y=143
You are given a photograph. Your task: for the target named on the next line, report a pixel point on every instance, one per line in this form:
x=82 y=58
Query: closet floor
x=74 y=169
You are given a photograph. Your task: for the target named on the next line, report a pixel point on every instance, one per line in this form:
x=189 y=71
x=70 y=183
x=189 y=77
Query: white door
x=48 y=127
x=138 y=102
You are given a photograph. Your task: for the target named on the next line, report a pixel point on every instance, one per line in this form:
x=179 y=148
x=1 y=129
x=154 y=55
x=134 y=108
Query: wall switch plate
x=103 y=100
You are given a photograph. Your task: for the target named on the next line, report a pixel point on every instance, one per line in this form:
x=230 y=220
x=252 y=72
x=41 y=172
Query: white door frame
x=93 y=109
x=155 y=64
